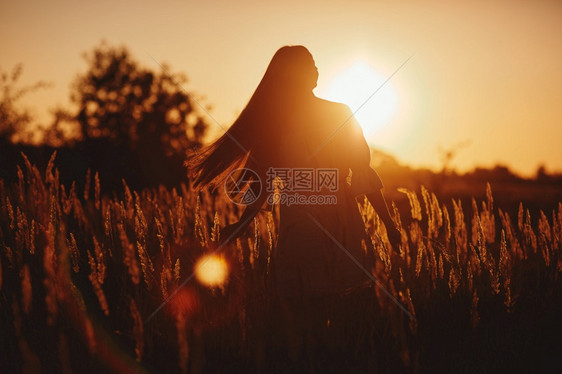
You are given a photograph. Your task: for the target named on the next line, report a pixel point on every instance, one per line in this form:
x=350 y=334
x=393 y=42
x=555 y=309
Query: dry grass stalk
x=94 y=280
x=138 y=330
x=74 y=253
x=129 y=256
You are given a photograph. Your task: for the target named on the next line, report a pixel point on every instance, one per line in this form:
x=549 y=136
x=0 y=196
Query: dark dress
x=316 y=240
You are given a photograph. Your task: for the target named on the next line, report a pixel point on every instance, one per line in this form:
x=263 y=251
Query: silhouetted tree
x=541 y=173
x=134 y=107
x=448 y=154
x=14 y=119
x=131 y=122
x=62 y=131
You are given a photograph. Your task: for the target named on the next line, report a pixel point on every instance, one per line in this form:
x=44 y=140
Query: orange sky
x=486 y=72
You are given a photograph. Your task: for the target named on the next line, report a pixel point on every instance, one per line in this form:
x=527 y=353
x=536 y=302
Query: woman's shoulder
x=333 y=109
x=332 y=104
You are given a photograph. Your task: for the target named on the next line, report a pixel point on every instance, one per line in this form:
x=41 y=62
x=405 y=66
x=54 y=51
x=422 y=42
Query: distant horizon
x=483 y=74
x=215 y=131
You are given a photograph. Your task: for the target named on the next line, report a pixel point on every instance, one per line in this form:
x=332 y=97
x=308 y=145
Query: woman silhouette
x=311 y=144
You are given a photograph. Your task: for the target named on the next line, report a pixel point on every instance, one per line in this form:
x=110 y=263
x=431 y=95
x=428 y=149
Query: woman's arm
x=364 y=179
x=234 y=230
x=379 y=204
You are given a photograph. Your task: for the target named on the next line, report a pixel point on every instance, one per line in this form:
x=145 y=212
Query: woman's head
x=291 y=70
x=290 y=76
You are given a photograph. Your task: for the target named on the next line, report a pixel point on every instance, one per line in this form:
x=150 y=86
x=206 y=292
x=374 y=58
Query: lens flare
x=185 y=302
x=211 y=270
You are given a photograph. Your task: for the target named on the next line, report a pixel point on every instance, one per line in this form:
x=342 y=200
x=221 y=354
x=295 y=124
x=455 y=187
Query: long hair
x=290 y=74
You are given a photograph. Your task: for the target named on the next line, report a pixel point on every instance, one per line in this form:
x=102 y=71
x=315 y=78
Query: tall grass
x=82 y=277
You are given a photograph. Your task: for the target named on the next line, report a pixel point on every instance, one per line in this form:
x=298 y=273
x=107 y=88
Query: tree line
x=126 y=122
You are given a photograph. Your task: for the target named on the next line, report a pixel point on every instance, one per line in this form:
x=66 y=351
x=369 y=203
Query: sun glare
x=211 y=270
x=364 y=90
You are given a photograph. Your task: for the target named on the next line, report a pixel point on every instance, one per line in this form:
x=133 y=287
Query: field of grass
x=83 y=276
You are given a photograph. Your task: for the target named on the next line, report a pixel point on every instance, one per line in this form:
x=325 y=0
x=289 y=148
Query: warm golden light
x=364 y=90
x=211 y=270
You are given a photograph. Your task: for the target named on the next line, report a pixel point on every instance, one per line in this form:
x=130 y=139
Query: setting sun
x=364 y=90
